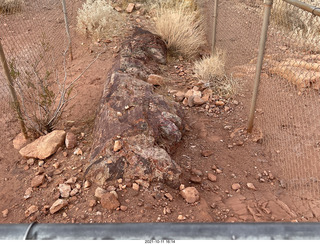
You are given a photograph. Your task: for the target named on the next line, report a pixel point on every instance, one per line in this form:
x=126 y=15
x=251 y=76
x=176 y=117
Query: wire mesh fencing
x=35 y=39
x=289 y=96
x=288 y=102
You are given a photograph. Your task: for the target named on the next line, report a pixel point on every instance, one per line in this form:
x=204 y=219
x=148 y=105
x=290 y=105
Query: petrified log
x=136 y=128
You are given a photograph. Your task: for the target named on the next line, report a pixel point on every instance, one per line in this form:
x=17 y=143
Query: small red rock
x=155 y=80
x=190 y=194
x=5 y=213
x=235 y=186
x=37 y=181
x=109 y=201
x=71 y=140
x=32 y=209
x=57 y=205
x=212 y=177
x=206 y=153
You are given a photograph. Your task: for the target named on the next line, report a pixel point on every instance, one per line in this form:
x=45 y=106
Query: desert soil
x=245 y=186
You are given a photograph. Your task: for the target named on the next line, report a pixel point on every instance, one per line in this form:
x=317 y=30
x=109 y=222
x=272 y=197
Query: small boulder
x=57 y=205
x=190 y=194
x=109 y=201
x=44 y=146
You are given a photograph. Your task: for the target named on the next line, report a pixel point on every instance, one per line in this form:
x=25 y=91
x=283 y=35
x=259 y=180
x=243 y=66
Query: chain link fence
x=288 y=105
x=36 y=45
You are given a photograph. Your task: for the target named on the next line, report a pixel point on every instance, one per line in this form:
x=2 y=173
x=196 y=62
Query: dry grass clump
x=300 y=24
x=98 y=19
x=10 y=6
x=211 y=71
x=180 y=27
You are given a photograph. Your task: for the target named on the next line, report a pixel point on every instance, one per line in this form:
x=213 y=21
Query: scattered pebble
x=92 y=203
x=99 y=192
x=212 y=177
x=65 y=190
x=71 y=180
x=251 y=186
x=5 y=213
x=78 y=152
x=207 y=153
x=32 y=209
x=181 y=187
x=181 y=217
x=87 y=184
x=195 y=179
x=236 y=186
x=117 y=146
x=57 y=205
x=196 y=172
x=37 y=180
x=109 y=201
x=169 y=196
x=135 y=186
x=190 y=194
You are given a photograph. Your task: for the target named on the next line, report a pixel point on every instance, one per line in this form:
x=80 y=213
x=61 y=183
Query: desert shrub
x=211 y=71
x=180 y=26
x=98 y=19
x=10 y=6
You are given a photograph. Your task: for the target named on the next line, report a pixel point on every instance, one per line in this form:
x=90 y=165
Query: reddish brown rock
x=130 y=7
x=65 y=190
x=155 y=80
x=109 y=201
x=99 y=192
x=207 y=153
x=71 y=140
x=19 y=141
x=190 y=194
x=37 y=181
x=212 y=177
x=198 y=101
x=44 y=146
x=58 y=205
x=236 y=186
x=32 y=209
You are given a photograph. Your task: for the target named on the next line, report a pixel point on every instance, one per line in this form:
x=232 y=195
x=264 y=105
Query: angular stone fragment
x=71 y=140
x=130 y=7
x=44 y=146
x=190 y=194
x=37 y=180
x=57 y=205
x=32 y=209
x=109 y=201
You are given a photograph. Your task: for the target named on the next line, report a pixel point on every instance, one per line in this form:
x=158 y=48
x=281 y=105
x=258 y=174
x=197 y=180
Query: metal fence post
x=214 y=28
x=67 y=27
x=12 y=91
x=263 y=39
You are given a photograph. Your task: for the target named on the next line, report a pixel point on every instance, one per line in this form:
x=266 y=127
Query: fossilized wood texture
x=144 y=123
